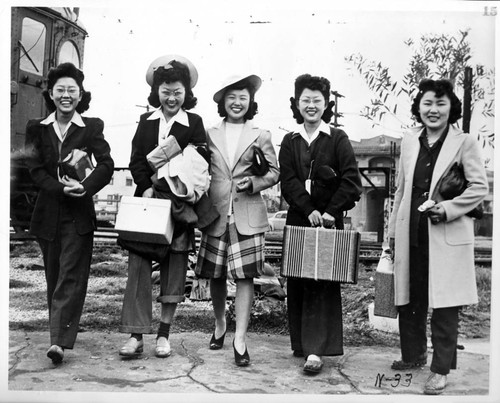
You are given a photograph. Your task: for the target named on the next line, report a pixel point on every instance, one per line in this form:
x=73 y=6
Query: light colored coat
x=250 y=212
x=451 y=243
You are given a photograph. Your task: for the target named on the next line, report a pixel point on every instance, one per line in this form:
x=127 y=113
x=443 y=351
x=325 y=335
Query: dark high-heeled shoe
x=241 y=360
x=217 y=344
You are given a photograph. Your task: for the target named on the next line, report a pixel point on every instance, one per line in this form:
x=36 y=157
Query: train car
x=41 y=38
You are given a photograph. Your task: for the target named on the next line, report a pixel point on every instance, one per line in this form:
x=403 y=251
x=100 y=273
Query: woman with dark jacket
x=320 y=181
x=434 y=248
x=171 y=78
x=64 y=218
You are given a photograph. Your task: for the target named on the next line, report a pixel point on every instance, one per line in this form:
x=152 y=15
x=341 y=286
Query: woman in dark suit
x=171 y=78
x=320 y=181
x=434 y=249
x=64 y=218
x=233 y=245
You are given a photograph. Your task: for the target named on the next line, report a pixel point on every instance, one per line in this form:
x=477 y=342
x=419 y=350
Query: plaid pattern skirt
x=231 y=255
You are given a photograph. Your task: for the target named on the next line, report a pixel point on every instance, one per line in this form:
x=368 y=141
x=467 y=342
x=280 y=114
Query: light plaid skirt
x=231 y=255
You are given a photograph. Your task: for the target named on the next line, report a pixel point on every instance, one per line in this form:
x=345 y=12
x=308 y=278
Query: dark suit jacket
x=42 y=156
x=146 y=139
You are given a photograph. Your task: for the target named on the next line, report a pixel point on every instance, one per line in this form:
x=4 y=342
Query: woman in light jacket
x=434 y=249
x=233 y=246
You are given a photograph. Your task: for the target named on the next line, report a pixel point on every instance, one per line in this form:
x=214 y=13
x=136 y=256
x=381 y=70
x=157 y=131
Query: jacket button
x=236 y=199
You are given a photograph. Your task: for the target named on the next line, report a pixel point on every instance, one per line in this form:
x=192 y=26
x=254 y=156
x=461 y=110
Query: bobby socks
x=163 y=330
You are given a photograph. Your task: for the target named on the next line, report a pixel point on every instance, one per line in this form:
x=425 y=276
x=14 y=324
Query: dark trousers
x=315 y=316
x=67 y=266
x=413 y=320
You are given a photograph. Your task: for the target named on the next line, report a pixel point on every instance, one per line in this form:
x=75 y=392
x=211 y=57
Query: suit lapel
x=218 y=137
x=449 y=150
x=413 y=147
x=248 y=136
x=54 y=140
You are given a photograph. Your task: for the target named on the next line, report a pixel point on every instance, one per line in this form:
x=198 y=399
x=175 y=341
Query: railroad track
x=369 y=252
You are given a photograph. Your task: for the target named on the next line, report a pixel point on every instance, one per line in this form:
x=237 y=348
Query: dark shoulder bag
x=454 y=184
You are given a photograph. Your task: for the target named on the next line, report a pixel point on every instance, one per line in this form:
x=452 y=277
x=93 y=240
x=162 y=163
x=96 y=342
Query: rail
x=369 y=251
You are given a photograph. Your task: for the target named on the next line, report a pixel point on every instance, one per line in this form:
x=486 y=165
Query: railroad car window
x=69 y=53
x=32 y=45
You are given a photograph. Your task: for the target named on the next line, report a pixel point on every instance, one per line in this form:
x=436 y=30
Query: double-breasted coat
x=42 y=151
x=250 y=212
x=451 y=242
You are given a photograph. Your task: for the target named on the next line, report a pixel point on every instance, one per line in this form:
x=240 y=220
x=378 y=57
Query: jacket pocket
x=459 y=231
x=257 y=214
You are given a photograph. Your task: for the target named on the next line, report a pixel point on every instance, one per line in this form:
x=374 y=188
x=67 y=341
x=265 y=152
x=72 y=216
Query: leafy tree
x=433 y=56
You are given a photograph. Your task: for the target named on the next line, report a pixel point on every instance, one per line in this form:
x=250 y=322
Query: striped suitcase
x=320 y=254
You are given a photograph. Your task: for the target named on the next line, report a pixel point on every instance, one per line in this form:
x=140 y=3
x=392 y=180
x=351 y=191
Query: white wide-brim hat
x=253 y=80
x=164 y=61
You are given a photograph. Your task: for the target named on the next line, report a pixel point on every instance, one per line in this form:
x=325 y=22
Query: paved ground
x=95 y=367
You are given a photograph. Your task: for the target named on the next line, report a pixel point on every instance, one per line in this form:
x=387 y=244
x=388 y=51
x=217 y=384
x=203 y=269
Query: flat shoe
x=217 y=344
x=313 y=366
x=435 y=384
x=132 y=347
x=55 y=353
x=162 y=349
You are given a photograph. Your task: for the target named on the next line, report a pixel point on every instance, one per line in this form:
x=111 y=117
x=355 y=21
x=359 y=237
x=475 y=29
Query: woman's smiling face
x=434 y=111
x=236 y=103
x=172 y=96
x=311 y=105
x=66 y=95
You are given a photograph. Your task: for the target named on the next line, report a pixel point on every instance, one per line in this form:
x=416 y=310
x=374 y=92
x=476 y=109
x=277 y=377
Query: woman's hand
x=244 y=184
x=315 y=219
x=328 y=220
x=72 y=187
x=437 y=214
x=148 y=193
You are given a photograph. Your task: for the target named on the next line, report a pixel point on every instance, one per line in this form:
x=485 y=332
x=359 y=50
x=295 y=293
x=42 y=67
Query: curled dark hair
x=241 y=85
x=441 y=88
x=178 y=72
x=71 y=71
x=314 y=83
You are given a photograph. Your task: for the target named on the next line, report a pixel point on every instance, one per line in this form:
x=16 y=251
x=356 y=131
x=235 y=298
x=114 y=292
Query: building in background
x=378 y=159
x=107 y=200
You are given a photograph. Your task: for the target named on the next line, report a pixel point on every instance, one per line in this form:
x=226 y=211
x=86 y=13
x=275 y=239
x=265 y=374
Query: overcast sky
x=276 y=43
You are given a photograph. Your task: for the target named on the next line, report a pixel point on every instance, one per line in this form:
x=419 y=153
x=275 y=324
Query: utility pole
x=336 y=114
x=467 y=99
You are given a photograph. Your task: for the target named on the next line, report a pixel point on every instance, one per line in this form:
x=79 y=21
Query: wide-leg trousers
x=67 y=266
x=137 y=310
x=315 y=316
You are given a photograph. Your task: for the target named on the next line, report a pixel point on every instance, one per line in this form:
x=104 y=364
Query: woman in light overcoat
x=233 y=245
x=434 y=250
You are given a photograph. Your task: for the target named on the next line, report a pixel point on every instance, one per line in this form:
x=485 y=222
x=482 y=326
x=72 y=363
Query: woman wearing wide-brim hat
x=243 y=163
x=171 y=78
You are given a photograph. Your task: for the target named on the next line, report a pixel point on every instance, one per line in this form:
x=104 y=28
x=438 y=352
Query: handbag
x=259 y=166
x=384 y=287
x=454 y=184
